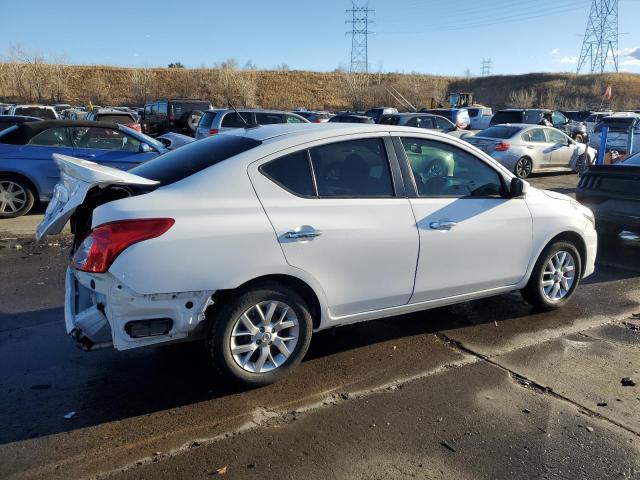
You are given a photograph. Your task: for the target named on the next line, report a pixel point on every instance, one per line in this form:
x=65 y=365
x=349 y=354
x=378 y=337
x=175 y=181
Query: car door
x=268 y=118
x=472 y=239
x=108 y=146
x=341 y=216
x=561 y=152
x=538 y=147
x=36 y=157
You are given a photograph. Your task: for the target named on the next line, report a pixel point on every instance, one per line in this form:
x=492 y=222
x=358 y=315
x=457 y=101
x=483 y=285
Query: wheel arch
x=570 y=236
x=303 y=288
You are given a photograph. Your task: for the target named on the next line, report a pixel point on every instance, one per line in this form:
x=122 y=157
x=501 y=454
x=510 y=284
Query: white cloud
x=555 y=51
x=569 y=60
x=631 y=61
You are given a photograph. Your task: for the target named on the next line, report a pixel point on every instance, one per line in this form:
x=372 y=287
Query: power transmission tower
x=600 y=44
x=486 y=67
x=359 y=35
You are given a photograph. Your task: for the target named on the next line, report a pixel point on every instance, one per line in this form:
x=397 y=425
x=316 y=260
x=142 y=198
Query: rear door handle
x=305 y=231
x=445 y=225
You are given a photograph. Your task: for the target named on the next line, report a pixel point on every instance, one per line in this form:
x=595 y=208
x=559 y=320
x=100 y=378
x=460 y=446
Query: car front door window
x=442 y=170
x=104 y=138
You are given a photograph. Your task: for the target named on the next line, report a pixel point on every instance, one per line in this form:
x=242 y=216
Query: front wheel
x=258 y=336
x=555 y=276
x=523 y=168
x=578 y=137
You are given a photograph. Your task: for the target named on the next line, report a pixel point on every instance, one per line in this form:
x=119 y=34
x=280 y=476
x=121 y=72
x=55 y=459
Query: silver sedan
x=526 y=149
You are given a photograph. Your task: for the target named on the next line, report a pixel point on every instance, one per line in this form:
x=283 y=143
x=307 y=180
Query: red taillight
x=213 y=131
x=172 y=118
x=135 y=126
x=100 y=248
x=317 y=120
x=502 y=146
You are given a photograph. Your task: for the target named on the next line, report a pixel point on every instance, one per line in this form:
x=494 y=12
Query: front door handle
x=85 y=155
x=444 y=225
x=304 y=231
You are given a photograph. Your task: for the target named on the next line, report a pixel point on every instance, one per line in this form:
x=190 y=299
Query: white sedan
x=256 y=238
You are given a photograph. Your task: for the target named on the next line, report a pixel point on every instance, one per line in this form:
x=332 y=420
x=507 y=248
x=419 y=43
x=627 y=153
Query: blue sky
x=427 y=36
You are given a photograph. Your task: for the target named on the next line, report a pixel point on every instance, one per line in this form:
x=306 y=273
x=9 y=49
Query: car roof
x=257 y=110
x=317 y=131
x=36 y=127
x=524 y=110
x=111 y=111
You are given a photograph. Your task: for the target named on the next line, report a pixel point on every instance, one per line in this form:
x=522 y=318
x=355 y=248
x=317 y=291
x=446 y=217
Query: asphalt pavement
x=486 y=389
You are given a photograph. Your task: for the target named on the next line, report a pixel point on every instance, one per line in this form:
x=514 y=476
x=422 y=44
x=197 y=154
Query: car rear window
x=473 y=112
x=507 y=117
x=179 y=108
x=46 y=113
x=615 y=124
x=194 y=157
x=207 y=119
x=115 y=118
x=499 y=132
x=446 y=113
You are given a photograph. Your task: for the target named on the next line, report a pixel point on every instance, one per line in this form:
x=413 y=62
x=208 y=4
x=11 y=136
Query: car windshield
x=507 y=117
x=115 y=118
x=194 y=157
x=46 y=113
x=632 y=160
x=501 y=132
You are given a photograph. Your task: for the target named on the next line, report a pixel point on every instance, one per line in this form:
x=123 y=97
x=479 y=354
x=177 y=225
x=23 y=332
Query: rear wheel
x=523 y=168
x=555 y=276
x=16 y=196
x=578 y=137
x=258 y=336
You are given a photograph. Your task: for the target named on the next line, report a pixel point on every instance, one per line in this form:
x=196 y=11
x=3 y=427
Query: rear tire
x=258 y=336
x=16 y=196
x=523 y=168
x=579 y=138
x=555 y=276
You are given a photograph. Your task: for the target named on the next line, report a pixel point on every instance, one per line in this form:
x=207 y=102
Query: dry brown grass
x=285 y=89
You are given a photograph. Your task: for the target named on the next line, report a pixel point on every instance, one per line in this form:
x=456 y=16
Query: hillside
x=103 y=85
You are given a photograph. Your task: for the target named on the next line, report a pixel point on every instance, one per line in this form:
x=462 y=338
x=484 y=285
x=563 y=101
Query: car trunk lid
x=77 y=177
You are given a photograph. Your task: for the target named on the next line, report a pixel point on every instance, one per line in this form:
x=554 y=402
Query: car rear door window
x=293 y=119
x=536 y=135
x=355 y=168
x=425 y=122
x=51 y=137
x=444 y=124
x=555 y=136
x=234 y=120
x=292 y=172
x=442 y=170
x=268 y=118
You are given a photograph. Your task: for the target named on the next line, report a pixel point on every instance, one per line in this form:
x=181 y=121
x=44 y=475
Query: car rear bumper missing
x=101 y=312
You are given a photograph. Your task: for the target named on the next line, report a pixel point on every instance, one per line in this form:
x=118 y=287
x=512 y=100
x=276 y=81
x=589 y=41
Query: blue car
x=28 y=172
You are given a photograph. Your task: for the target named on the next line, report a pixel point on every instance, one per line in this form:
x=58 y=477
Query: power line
x=486 y=67
x=359 y=34
x=600 y=43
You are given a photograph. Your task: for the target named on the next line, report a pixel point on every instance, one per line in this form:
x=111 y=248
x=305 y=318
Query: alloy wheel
x=524 y=167
x=558 y=276
x=264 y=336
x=13 y=196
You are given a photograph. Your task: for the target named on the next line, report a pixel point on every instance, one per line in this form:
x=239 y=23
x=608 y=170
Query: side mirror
x=516 y=188
x=144 y=148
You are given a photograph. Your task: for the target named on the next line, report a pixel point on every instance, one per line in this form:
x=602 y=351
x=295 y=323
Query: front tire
x=16 y=197
x=578 y=137
x=523 y=168
x=258 y=336
x=555 y=276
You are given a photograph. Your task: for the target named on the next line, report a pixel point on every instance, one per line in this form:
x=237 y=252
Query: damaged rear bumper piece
x=101 y=311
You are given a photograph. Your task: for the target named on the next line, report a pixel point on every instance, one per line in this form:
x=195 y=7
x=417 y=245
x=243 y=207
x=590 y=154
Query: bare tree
x=357 y=90
x=237 y=86
x=524 y=98
x=549 y=98
x=141 y=80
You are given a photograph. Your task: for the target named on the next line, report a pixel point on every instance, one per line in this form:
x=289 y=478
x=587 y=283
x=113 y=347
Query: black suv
x=541 y=116
x=173 y=115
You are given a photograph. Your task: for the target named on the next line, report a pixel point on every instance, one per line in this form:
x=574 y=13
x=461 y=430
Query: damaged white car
x=256 y=238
